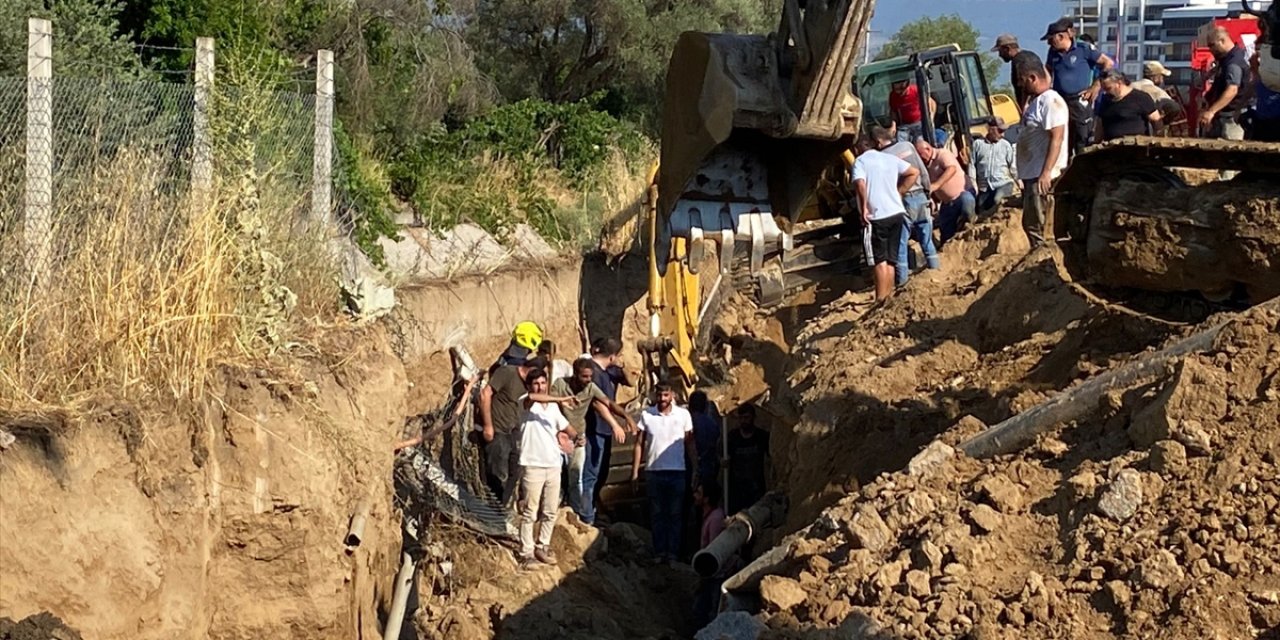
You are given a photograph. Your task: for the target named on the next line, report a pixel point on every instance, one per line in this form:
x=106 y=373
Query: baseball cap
x=1153 y=69
x=1005 y=40
x=998 y=123
x=1061 y=25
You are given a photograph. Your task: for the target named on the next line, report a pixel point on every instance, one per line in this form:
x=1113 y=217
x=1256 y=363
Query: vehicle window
x=977 y=99
x=874 y=92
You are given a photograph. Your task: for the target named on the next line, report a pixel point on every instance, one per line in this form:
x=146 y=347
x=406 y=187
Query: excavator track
x=1134 y=232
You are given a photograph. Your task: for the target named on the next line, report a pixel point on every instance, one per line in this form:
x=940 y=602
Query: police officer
x=1072 y=67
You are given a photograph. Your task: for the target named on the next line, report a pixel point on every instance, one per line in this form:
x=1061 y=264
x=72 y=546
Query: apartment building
x=1135 y=31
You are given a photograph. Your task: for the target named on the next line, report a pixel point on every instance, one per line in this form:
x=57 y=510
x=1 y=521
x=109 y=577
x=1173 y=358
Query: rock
x=734 y=625
x=1122 y=499
x=781 y=594
x=1053 y=447
x=1193 y=437
x=1160 y=570
x=948 y=610
x=868 y=530
x=912 y=509
x=1117 y=594
x=888 y=576
x=985 y=518
x=1083 y=485
x=918 y=584
x=836 y=611
x=1004 y=493
x=930 y=459
x=927 y=557
x=1168 y=457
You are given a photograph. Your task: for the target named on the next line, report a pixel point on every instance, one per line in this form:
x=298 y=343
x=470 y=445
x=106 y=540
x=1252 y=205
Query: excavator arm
x=750 y=124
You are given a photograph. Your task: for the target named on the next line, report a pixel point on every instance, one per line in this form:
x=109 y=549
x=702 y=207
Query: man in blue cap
x=1072 y=67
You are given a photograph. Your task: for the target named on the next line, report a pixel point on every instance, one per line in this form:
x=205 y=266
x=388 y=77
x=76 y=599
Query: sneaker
x=545 y=556
x=529 y=562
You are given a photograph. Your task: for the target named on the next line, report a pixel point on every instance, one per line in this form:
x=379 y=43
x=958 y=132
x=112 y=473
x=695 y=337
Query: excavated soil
x=1154 y=517
x=39 y=626
x=1211 y=238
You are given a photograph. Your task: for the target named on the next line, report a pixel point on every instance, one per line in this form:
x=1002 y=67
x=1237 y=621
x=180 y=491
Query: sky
x=1026 y=19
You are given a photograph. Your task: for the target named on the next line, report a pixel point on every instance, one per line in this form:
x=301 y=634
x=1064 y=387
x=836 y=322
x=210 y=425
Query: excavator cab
x=956 y=82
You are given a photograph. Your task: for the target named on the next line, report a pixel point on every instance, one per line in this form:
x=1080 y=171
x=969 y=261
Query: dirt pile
x=602 y=588
x=39 y=626
x=991 y=334
x=1157 y=516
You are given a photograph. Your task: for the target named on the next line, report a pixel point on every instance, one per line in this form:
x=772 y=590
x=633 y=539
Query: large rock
x=1160 y=570
x=781 y=594
x=868 y=529
x=1195 y=391
x=1123 y=497
x=930 y=459
x=1004 y=493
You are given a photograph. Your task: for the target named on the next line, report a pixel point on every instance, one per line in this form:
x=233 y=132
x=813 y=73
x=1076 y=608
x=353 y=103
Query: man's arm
x=1056 y=137
x=546 y=398
x=862 y=201
x=617 y=410
x=486 y=411
x=637 y=454
x=947 y=174
x=1105 y=63
x=1228 y=94
x=602 y=410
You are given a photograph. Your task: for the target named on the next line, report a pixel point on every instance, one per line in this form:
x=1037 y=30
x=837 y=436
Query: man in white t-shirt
x=540 y=463
x=667 y=445
x=882 y=180
x=1042 y=148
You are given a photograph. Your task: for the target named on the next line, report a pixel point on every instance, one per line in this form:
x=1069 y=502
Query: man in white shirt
x=666 y=446
x=882 y=180
x=540 y=463
x=1042 y=148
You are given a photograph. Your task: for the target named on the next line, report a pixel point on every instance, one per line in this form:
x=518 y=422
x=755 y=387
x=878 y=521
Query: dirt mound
x=1156 y=516
x=39 y=626
x=989 y=335
x=601 y=588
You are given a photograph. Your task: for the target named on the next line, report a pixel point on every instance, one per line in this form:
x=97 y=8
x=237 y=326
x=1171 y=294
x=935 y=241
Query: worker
x=500 y=412
x=706 y=435
x=1010 y=51
x=1231 y=91
x=1042 y=149
x=747 y=449
x=1071 y=66
x=540 y=466
x=993 y=165
x=608 y=375
x=949 y=187
x=707 y=501
x=918 y=221
x=665 y=446
x=881 y=181
x=591 y=400
x=1125 y=111
x=904 y=103
x=1152 y=84
x=525 y=339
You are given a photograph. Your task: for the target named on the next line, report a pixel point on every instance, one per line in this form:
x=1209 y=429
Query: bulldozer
x=751 y=191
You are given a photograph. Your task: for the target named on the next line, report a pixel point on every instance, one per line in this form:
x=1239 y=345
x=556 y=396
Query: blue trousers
x=666 y=509
x=921 y=231
x=989 y=200
x=955 y=214
x=598 y=447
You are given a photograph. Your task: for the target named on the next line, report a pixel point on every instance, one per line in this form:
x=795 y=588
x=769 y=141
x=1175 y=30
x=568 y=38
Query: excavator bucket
x=751 y=121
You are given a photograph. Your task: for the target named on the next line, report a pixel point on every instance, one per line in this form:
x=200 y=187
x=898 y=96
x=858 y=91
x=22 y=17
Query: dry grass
x=145 y=292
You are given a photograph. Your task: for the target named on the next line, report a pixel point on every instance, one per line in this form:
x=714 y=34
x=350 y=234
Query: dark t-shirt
x=601 y=378
x=1126 y=117
x=508 y=388
x=746 y=457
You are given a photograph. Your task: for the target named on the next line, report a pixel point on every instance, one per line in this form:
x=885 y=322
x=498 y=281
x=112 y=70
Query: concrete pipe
x=742 y=527
x=400 y=599
x=355 y=532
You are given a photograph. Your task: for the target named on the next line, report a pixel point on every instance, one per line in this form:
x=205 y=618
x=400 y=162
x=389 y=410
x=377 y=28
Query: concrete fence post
x=202 y=145
x=37 y=221
x=322 y=169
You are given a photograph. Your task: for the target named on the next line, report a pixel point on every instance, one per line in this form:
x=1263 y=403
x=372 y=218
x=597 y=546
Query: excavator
x=756 y=139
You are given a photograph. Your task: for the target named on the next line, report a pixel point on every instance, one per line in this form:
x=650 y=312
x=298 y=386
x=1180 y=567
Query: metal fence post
x=38 y=217
x=322 y=169
x=202 y=160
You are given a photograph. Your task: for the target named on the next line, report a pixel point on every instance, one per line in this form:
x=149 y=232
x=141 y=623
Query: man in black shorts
x=882 y=179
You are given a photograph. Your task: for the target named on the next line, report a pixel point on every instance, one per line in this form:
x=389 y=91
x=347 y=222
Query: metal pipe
x=404 y=584
x=768 y=512
x=359 y=516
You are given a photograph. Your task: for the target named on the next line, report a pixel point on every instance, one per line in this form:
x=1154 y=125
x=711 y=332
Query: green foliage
x=927 y=32
x=364 y=196
x=85 y=35
x=251 y=28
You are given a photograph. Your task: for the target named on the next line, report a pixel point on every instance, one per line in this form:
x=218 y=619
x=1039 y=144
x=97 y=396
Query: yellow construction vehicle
x=753 y=175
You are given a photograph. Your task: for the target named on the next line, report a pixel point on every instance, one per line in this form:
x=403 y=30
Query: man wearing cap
x=1010 y=51
x=992 y=167
x=1071 y=67
x=1152 y=84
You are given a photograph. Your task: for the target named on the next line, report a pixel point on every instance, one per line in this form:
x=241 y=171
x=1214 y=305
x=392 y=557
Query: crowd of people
x=547 y=426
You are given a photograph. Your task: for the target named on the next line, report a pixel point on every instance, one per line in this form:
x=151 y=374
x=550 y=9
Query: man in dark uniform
x=1072 y=67
x=1232 y=89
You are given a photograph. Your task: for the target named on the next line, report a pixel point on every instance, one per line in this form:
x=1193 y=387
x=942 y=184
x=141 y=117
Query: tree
x=86 y=38
x=927 y=33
